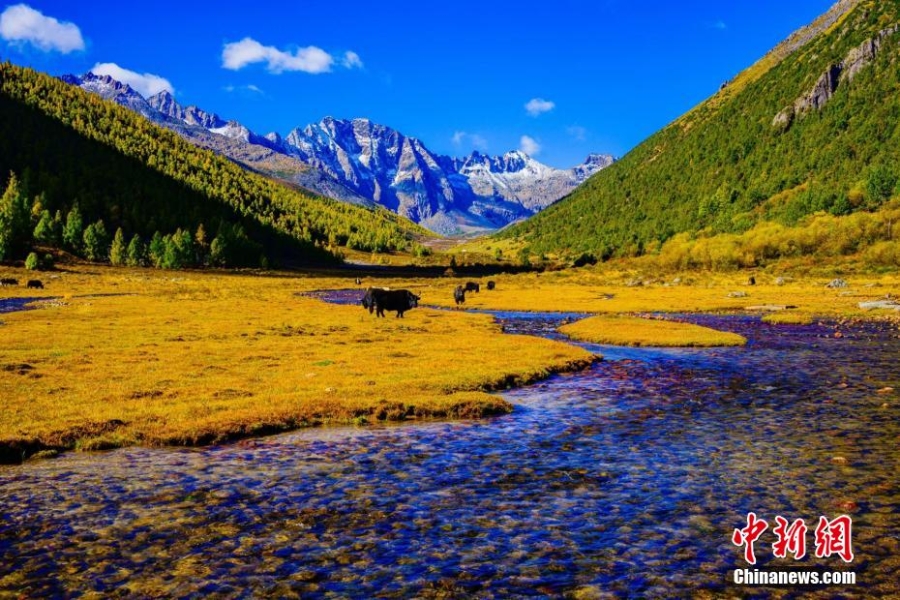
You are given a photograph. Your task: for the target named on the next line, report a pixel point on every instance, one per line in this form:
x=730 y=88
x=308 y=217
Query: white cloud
x=244 y=88
x=577 y=132
x=474 y=140
x=529 y=146
x=21 y=23
x=352 y=60
x=146 y=84
x=720 y=25
x=311 y=59
x=538 y=106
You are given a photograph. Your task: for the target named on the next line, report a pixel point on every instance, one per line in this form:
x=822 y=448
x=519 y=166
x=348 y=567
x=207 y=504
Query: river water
x=625 y=480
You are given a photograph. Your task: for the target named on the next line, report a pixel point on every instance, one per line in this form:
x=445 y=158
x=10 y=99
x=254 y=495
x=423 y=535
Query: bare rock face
x=165 y=103
x=784 y=119
x=837 y=74
x=821 y=92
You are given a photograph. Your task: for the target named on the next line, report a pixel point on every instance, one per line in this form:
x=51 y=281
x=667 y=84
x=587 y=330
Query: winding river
x=625 y=480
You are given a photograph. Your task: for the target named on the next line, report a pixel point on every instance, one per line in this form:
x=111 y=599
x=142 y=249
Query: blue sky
x=559 y=79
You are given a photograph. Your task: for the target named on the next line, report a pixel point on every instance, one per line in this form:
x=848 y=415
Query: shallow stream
x=626 y=479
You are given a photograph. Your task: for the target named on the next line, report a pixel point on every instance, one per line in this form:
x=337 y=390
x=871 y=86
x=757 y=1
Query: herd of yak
x=32 y=283
x=378 y=300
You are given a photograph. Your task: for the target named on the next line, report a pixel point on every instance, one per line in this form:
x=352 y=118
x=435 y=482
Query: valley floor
x=116 y=357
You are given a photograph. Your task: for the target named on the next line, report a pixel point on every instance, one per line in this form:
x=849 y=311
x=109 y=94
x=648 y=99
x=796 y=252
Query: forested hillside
x=70 y=148
x=808 y=133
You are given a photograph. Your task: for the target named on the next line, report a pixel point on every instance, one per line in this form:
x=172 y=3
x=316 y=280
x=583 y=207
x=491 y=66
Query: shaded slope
x=73 y=145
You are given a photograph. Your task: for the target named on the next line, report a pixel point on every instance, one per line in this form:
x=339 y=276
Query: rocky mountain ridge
x=366 y=163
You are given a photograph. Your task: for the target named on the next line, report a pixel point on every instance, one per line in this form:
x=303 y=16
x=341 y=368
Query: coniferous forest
x=76 y=169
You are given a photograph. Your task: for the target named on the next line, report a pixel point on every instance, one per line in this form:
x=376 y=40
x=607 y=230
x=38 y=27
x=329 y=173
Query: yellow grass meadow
x=142 y=356
x=609 y=291
x=636 y=331
x=147 y=357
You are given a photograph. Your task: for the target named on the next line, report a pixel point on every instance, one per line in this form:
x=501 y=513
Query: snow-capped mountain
x=363 y=162
x=111 y=89
x=442 y=193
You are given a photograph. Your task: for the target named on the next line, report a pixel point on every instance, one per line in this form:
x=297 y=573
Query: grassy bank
x=611 y=291
x=139 y=357
x=635 y=331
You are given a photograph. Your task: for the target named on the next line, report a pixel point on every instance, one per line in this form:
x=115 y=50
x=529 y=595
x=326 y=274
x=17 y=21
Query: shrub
x=32 y=263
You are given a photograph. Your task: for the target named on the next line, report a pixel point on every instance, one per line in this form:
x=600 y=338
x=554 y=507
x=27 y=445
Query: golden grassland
x=637 y=331
x=149 y=357
x=606 y=290
x=141 y=356
x=788 y=318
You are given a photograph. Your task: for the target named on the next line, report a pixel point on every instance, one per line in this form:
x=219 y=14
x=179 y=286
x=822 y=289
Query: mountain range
x=366 y=163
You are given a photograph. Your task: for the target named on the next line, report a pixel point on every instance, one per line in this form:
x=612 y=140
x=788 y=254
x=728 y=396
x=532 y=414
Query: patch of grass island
x=637 y=331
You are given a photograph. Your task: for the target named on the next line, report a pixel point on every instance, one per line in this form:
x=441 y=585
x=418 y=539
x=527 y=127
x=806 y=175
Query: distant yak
x=459 y=295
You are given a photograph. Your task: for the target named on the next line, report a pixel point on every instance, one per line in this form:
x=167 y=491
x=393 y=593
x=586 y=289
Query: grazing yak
x=459 y=295
x=381 y=299
x=8 y=281
x=34 y=283
x=491 y=284
x=471 y=286
x=368 y=301
x=399 y=300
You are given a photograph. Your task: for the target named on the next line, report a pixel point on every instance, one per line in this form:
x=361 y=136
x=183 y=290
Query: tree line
x=26 y=225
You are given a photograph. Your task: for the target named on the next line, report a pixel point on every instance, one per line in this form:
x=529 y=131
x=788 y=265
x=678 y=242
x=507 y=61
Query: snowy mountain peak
x=111 y=89
x=365 y=162
x=445 y=194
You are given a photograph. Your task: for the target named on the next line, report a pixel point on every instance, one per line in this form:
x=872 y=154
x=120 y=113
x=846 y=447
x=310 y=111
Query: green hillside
x=770 y=150
x=67 y=147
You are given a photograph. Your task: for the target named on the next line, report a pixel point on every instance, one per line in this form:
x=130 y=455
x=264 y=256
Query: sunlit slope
x=810 y=128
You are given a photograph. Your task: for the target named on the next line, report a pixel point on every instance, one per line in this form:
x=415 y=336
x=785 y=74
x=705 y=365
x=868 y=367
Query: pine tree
x=171 y=256
x=73 y=232
x=43 y=232
x=201 y=245
x=37 y=209
x=118 y=253
x=6 y=208
x=15 y=220
x=57 y=227
x=157 y=250
x=217 y=251
x=136 y=252
x=96 y=243
x=32 y=263
x=184 y=243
